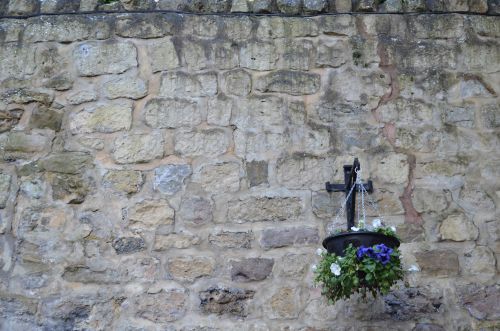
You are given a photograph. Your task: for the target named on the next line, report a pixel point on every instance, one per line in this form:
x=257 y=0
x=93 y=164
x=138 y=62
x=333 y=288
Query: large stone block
x=258 y=56
x=103 y=117
x=17 y=61
x=179 y=84
x=23 y=145
x=222 y=300
x=285 y=303
x=10 y=118
x=125 y=87
x=44 y=117
x=70 y=188
x=252 y=269
x=286 y=27
x=301 y=171
x=128 y=245
x=229 y=239
x=194 y=54
x=257 y=172
x=163 y=55
x=195 y=210
x=151 y=214
x=169 y=179
x=165 y=306
x=238 y=82
x=479 y=264
x=66 y=162
x=264 y=209
x=190 y=268
x=66 y=29
x=225 y=55
x=218 y=178
x=143 y=26
x=458 y=228
x=481 y=302
x=212 y=142
x=289 y=82
x=219 y=110
x=440 y=263
x=282 y=237
x=127 y=181
x=138 y=148
x=98 y=58
x=175 y=240
x=172 y=113
x=333 y=53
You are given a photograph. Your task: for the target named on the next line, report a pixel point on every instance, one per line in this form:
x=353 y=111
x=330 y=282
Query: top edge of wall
x=26 y=8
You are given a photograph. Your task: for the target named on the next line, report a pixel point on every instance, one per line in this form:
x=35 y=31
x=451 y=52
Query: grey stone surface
x=95 y=58
x=138 y=148
x=172 y=113
x=128 y=245
x=196 y=210
x=252 y=269
x=125 y=87
x=169 y=179
x=221 y=300
x=290 y=82
x=229 y=239
x=275 y=238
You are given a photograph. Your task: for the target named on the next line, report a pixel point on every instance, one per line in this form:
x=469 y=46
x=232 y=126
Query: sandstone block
x=162 y=55
x=219 y=110
x=125 y=87
x=94 y=58
x=128 y=245
x=143 y=26
x=10 y=118
x=222 y=300
x=229 y=239
x=66 y=162
x=17 y=61
x=66 y=29
x=163 y=307
x=271 y=27
x=169 y=179
x=260 y=114
x=366 y=5
x=238 y=28
x=285 y=303
x=178 y=84
x=297 y=54
x=172 y=113
x=218 y=178
x=481 y=302
x=225 y=55
x=195 y=54
x=458 y=228
x=425 y=200
x=294 y=172
x=238 y=82
x=262 y=6
x=138 y=148
x=391 y=6
x=20 y=144
x=332 y=53
x=190 y=268
x=79 y=97
x=290 y=7
x=282 y=237
x=196 y=143
x=440 y=263
x=294 y=265
x=258 y=56
x=69 y=188
x=128 y=181
x=479 y=263
x=27 y=95
x=151 y=214
x=264 y=209
x=175 y=240
x=106 y=118
x=5 y=180
x=201 y=26
x=195 y=210
x=252 y=269
x=22 y=7
x=83 y=274
x=257 y=172
x=45 y=117
x=393 y=168
x=314 y=6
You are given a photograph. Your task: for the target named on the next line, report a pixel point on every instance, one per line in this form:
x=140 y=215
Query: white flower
x=414 y=268
x=314 y=267
x=335 y=269
x=393 y=228
x=319 y=251
x=377 y=223
x=355 y=229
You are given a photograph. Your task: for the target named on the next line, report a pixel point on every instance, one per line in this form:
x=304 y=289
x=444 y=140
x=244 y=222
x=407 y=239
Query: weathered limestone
x=106 y=118
x=190 y=268
x=172 y=113
x=220 y=300
x=253 y=269
x=95 y=58
x=151 y=214
x=275 y=238
x=138 y=148
x=169 y=179
x=264 y=209
x=128 y=181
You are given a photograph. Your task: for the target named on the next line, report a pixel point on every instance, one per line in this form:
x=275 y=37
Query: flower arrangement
x=361 y=269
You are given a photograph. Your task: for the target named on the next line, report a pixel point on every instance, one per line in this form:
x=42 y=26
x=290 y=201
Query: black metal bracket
x=350 y=175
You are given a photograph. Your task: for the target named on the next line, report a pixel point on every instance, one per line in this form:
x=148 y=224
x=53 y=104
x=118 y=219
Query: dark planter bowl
x=339 y=242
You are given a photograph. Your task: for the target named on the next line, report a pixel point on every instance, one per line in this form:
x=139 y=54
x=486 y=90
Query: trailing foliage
x=361 y=270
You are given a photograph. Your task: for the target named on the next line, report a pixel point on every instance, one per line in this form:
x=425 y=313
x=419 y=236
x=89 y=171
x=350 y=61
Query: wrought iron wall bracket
x=350 y=176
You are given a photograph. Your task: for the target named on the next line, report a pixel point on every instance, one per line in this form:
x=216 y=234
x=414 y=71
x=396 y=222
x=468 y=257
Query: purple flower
x=380 y=252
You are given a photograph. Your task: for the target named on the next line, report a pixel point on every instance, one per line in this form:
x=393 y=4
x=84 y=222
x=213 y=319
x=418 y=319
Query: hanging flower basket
x=362 y=260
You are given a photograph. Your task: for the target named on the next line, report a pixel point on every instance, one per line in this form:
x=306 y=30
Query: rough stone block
x=169 y=179
x=20 y=144
x=479 y=263
x=271 y=27
x=314 y=6
x=297 y=54
x=125 y=87
x=151 y=214
x=70 y=188
x=138 y=148
x=143 y=26
x=45 y=117
x=66 y=29
x=257 y=172
x=128 y=245
x=365 y=5
x=481 y=302
x=195 y=210
x=172 y=113
x=66 y=162
x=194 y=54
x=289 y=82
x=285 y=303
x=27 y=95
x=458 y=228
x=295 y=172
x=127 y=181
x=10 y=118
x=178 y=84
x=96 y=58
x=5 y=180
x=412 y=303
x=222 y=300
x=426 y=201
x=103 y=117
x=220 y=110
x=282 y=237
x=190 y=268
x=23 y=7
x=289 y=7
x=238 y=28
x=175 y=240
x=79 y=97
x=260 y=114
x=163 y=55
x=258 y=56
x=229 y=239
x=238 y=82
x=264 y=209
x=252 y=269
x=165 y=306
x=440 y=263
x=225 y=55
x=17 y=61
x=333 y=53
x=218 y=178
x=262 y=6
x=197 y=143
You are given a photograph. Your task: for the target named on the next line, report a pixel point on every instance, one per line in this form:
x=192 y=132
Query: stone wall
x=166 y=171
